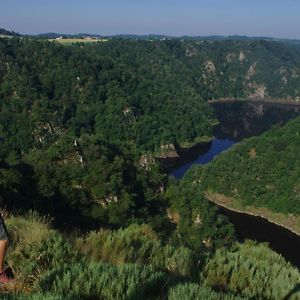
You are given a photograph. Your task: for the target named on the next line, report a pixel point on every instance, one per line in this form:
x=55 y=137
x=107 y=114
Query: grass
x=198 y=140
x=77 y=40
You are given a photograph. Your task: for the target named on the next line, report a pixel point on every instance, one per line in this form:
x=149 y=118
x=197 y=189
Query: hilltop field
x=77 y=40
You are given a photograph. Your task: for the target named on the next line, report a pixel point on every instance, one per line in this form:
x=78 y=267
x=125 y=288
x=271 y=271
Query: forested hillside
x=121 y=91
x=148 y=93
x=243 y=69
x=260 y=172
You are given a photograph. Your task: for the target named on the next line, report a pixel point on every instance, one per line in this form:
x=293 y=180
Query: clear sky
x=277 y=18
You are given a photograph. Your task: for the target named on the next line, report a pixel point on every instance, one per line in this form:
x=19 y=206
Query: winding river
x=239 y=120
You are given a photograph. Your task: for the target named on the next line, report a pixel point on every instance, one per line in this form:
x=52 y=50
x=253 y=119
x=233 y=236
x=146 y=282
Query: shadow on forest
x=67 y=213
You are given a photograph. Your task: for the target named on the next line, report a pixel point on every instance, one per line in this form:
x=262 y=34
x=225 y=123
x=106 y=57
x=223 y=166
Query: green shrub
x=28 y=229
x=35 y=248
x=192 y=291
x=102 y=281
x=136 y=244
x=252 y=270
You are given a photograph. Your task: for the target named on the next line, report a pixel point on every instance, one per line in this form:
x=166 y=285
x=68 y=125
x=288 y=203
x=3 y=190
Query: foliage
x=261 y=171
x=136 y=244
x=251 y=270
x=121 y=91
x=90 y=182
x=102 y=281
x=36 y=248
x=191 y=291
x=199 y=226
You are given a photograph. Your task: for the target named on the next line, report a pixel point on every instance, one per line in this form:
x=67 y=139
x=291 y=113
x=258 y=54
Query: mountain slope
x=242 y=69
x=123 y=91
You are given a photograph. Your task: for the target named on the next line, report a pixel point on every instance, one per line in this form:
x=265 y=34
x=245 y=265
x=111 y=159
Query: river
x=239 y=120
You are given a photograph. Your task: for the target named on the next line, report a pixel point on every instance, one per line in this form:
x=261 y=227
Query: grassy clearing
x=74 y=41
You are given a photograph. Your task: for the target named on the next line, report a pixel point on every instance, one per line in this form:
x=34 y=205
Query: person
x=5 y=274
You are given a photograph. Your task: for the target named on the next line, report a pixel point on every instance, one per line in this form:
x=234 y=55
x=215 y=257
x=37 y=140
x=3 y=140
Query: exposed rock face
x=230 y=57
x=260 y=91
x=251 y=72
x=198 y=220
x=173 y=216
x=207 y=242
x=284 y=73
x=190 y=52
x=209 y=66
x=43 y=130
x=108 y=200
x=126 y=110
x=168 y=150
x=242 y=56
x=146 y=161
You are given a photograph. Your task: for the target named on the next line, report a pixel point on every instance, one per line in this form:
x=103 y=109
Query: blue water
x=217 y=146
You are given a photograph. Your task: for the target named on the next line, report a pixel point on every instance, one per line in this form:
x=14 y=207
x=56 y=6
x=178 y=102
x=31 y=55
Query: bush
x=36 y=248
x=252 y=270
x=136 y=244
x=102 y=281
x=191 y=291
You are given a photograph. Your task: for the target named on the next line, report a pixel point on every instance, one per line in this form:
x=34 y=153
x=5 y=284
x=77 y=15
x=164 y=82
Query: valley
x=89 y=135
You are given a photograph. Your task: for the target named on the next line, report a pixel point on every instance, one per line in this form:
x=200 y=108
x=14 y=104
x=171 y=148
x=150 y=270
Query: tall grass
x=35 y=247
x=192 y=291
x=252 y=270
x=136 y=244
x=103 y=281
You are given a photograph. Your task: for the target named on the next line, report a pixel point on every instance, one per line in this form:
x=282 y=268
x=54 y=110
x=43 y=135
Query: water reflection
x=238 y=120
x=216 y=147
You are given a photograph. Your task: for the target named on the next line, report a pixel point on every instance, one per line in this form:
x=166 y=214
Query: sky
x=272 y=18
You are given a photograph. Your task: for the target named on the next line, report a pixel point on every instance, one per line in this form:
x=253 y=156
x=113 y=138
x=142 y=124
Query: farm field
x=77 y=40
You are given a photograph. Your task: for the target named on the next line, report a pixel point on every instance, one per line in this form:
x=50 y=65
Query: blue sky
x=173 y=17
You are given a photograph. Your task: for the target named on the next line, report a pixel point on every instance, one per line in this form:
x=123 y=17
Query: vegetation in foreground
x=103 y=265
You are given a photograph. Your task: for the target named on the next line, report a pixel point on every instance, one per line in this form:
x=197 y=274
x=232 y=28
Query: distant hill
x=53 y=35
x=8 y=33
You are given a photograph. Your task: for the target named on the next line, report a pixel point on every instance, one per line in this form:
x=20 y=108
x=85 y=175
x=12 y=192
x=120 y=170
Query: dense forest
x=91 y=213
